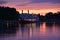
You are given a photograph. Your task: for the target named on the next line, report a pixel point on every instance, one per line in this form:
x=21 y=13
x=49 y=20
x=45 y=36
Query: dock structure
x=28 y=17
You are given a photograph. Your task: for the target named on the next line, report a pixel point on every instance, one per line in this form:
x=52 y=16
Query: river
x=32 y=31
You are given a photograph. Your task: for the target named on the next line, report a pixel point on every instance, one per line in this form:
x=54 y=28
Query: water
x=32 y=31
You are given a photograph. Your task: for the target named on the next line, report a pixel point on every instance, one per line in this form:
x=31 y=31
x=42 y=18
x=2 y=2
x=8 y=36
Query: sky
x=35 y=6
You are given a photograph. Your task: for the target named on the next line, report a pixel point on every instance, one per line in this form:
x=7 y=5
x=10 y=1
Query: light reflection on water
x=32 y=31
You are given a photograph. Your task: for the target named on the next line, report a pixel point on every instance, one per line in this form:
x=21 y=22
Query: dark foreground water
x=30 y=31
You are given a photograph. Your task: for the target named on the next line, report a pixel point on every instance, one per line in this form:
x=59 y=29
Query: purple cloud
x=42 y=1
x=39 y=1
x=3 y=2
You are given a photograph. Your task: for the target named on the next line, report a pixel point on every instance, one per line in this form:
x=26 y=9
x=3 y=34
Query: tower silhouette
x=28 y=11
x=22 y=11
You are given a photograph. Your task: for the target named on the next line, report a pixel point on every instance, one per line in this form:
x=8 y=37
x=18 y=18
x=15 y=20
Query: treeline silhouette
x=50 y=17
x=7 y=13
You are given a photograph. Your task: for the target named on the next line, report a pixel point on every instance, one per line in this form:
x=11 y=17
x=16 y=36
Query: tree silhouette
x=49 y=16
x=42 y=18
x=7 y=13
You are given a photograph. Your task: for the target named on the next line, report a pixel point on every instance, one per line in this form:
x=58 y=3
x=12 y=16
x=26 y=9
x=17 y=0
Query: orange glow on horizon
x=41 y=12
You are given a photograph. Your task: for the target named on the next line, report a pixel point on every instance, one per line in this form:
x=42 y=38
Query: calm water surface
x=32 y=31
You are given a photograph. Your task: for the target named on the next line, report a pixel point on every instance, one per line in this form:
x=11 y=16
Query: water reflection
x=31 y=31
x=8 y=29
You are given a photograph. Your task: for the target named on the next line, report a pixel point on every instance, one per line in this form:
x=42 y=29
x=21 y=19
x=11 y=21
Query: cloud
x=38 y=1
x=42 y=1
x=24 y=3
x=2 y=2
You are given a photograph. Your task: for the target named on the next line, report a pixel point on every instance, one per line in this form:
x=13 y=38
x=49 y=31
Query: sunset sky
x=35 y=6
